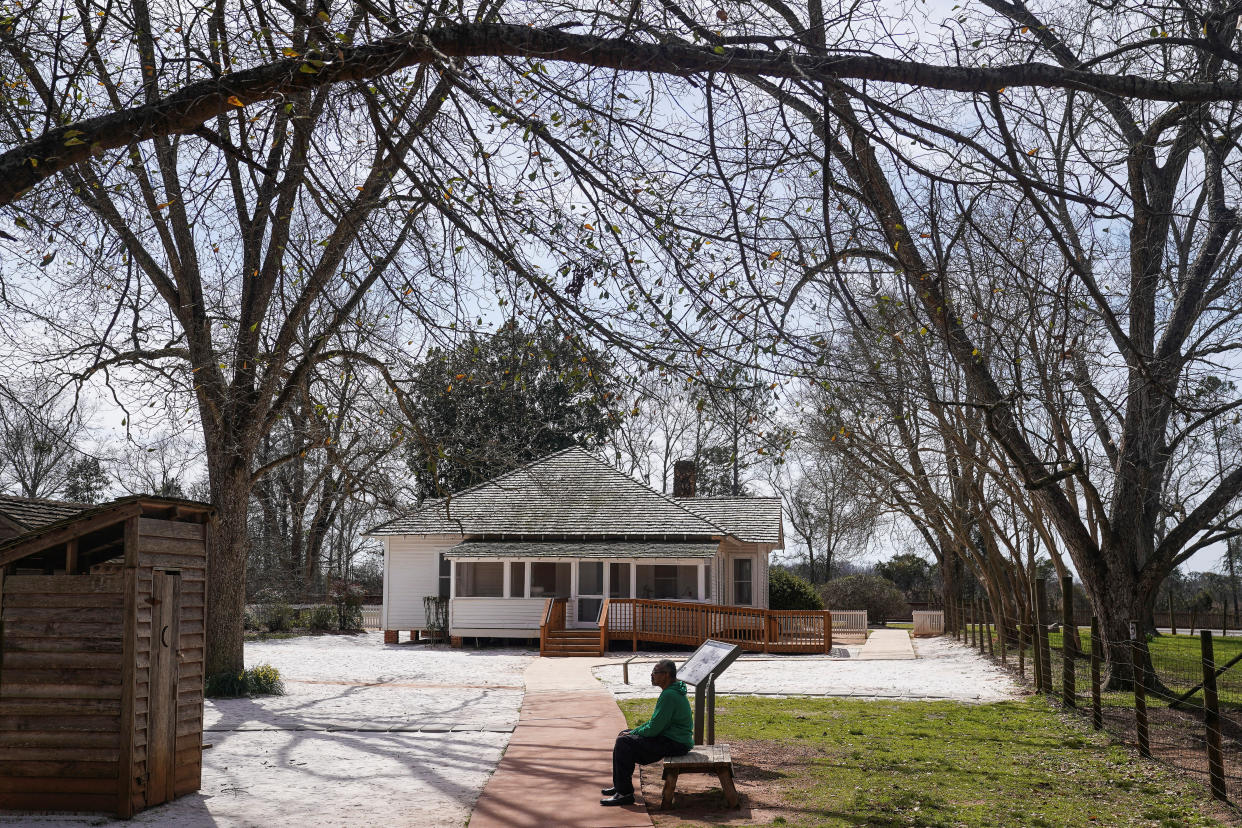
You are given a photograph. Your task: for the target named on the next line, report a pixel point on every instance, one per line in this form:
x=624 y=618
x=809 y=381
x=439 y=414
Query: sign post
x=701 y=670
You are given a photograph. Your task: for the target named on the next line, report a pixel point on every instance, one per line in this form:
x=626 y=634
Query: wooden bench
x=702 y=759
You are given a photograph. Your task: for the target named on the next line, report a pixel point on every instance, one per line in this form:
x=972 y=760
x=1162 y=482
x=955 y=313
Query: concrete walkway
x=560 y=755
x=887 y=645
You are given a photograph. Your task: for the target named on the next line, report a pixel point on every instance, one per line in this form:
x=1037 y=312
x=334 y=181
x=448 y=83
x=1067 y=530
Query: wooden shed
x=101 y=653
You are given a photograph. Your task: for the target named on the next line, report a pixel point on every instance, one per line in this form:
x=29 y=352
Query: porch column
x=634 y=578
x=507 y=580
x=452 y=579
x=526 y=567
x=702 y=580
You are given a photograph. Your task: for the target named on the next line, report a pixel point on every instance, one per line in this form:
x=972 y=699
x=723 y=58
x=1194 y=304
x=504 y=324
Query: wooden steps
x=571 y=643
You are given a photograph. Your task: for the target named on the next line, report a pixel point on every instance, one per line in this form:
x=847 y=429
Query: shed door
x=162 y=721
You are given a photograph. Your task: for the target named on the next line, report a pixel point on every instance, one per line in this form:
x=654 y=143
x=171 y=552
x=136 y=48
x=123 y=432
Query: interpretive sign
x=709 y=660
x=701 y=670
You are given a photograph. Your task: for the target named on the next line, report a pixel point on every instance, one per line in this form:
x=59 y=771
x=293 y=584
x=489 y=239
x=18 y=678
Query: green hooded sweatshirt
x=671 y=717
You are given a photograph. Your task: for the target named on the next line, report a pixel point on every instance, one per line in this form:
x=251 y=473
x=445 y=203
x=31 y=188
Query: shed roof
x=35 y=513
x=580 y=549
x=569 y=493
x=94 y=516
x=750 y=519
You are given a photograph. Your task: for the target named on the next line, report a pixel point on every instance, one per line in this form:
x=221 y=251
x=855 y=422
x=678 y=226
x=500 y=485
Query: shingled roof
x=570 y=493
x=750 y=519
x=582 y=549
x=33 y=513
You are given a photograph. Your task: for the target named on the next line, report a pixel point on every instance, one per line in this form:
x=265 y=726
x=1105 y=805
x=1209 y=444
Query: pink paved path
x=560 y=755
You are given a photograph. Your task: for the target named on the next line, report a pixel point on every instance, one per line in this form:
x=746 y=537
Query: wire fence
x=1184 y=709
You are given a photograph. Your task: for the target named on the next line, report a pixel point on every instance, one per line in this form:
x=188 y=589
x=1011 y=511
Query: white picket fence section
x=371 y=617
x=928 y=622
x=849 y=626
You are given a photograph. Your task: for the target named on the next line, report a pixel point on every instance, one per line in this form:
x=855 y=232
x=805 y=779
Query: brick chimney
x=683 y=478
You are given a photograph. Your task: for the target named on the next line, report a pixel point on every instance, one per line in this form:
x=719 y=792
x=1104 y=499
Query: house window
x=743 y=594
x=668 y=581
x=517 y=579
x=549 y=580
x=446 y=576
x=480 y=579
x=619 y=580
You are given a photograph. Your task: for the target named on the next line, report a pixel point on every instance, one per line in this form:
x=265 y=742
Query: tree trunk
x=1116 y=607
x=226 y=566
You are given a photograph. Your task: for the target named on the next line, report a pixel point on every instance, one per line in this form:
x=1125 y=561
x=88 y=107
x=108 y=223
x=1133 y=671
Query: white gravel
x=943 y=670
x=358 y=681
x=369 y=734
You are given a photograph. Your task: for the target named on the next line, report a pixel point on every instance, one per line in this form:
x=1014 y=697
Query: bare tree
x=804 y=165
x=828 y=507
x=40 y=435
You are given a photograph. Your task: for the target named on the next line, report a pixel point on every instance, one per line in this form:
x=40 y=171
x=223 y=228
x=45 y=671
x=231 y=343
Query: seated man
x=669 y=732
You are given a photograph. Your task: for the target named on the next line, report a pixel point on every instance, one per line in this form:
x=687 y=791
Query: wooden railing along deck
x=677 y=622
x=553 y=619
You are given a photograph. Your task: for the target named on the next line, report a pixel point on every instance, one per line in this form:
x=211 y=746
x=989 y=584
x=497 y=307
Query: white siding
x=729 y=551
x=411 y=573
x=765 y=552
x=524 y=614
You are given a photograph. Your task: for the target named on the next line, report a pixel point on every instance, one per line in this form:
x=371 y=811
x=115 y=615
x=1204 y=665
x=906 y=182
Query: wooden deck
x=679 y=622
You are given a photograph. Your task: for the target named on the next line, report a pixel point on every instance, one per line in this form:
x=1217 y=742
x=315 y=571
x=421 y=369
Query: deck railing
x=679 y=622
x=553 y=619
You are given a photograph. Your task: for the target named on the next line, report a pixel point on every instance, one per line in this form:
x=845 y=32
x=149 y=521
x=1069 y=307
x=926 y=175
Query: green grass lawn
x=846 y=762
x=1177 y=660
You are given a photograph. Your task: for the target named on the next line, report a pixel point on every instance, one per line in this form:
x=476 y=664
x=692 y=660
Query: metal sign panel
x=710 y=659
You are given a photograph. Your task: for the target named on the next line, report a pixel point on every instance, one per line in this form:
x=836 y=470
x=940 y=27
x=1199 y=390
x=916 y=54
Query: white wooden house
x=571 y=526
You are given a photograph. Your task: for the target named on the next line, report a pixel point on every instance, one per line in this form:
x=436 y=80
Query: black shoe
x=618 y=799
x=608 y=791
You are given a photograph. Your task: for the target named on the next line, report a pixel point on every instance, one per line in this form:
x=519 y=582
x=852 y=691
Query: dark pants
x=633 y=750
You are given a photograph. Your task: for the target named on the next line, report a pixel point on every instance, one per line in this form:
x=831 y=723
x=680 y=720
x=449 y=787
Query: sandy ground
x=943 y=670
x=369 y=734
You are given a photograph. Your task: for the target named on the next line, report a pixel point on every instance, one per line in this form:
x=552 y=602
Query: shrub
x=348 y=600
x=321 y=618
x=786 y=591
x=280 y=617
x=263 y=680
x=251 y=620
x=880 y=597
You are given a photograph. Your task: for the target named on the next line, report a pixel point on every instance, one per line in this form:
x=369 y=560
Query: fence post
x=1021 y=649
x=979 y=614
x=1037 y=653
x=1211 y=717
x=1067 y=651
x=987 y=628
x=1097 y=647
x=1002 y=634
x=1140 y=690
x=1046 y=658
x=1041 y=635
